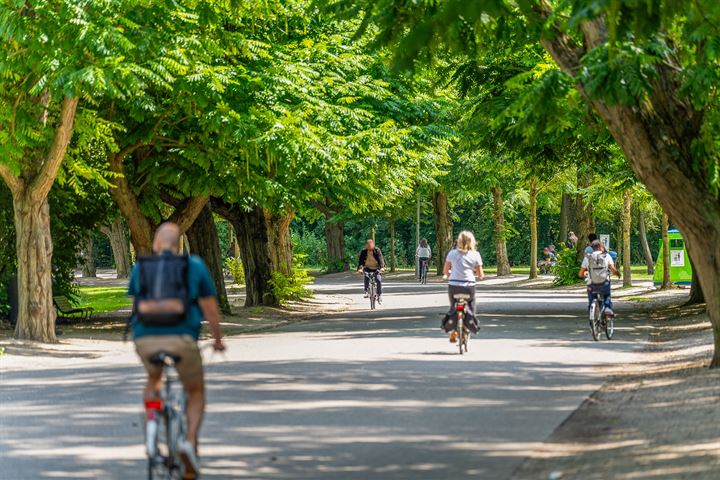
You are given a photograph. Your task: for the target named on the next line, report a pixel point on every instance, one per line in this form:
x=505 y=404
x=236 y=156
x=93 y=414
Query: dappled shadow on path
x=310 y=419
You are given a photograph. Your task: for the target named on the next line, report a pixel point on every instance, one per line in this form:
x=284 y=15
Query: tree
x=115 y=232
x=54 y=55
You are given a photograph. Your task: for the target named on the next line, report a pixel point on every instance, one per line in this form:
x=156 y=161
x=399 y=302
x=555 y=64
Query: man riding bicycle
x=172 y=294
x=423 y=254
x=371 y=261
x=595 y=269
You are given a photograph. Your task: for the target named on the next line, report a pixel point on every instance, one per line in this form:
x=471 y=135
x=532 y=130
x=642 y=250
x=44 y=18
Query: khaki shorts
x=189 y=367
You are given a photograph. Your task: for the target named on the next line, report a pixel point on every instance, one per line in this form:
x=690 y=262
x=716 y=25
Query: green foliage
x=308 y=246
x=235 y=266
x=567 y=268
x=291 y=287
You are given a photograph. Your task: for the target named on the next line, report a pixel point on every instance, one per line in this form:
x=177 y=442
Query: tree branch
x=45 y=178
x=14 y=183
x=188 y=210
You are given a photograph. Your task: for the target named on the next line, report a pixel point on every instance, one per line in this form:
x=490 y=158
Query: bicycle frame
x=463 y=333
x=372 y=287
x=424 y=266
x=166 y=413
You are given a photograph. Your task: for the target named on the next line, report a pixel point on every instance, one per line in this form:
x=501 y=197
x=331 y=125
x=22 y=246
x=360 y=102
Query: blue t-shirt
x=200 y=285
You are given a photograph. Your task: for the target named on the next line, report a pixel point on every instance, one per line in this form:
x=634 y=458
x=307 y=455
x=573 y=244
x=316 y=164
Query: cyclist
x=371 y=260
x=595 y=269
x=462 y=266
x=195 y=296
x=423 y=254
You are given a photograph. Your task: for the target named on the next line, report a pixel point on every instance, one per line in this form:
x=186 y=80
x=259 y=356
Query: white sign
x=605 y=240
x=677 y=258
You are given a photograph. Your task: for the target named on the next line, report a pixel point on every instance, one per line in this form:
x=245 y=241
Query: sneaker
x=189 y=459
x=367 y=295
x=453 y=336
x=379 y=299
x=609 y=312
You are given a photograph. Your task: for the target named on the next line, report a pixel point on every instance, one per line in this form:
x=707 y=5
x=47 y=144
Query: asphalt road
x=358 y=395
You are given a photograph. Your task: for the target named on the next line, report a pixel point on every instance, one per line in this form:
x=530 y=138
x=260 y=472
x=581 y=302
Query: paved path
x=361 y=395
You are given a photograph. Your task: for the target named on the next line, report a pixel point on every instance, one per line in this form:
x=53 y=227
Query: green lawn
x=104 y=299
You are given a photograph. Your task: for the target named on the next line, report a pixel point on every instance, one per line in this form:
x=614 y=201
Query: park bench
x=66 y=312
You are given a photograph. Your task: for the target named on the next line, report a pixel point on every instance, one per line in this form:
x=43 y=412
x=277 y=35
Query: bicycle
x=423 y=271
x=599 y=319
x=166 y=424
x=372 y=288
x=463 y=333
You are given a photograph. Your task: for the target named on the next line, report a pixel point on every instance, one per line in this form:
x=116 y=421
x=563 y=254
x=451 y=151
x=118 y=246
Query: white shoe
x=188 y=457
x=379 y=299
x=367 y=295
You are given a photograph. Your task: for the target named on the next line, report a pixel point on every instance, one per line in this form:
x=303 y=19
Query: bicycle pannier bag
x=163 y=290
x=598 y=268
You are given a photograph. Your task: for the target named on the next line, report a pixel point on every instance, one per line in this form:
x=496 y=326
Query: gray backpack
x=598 y=268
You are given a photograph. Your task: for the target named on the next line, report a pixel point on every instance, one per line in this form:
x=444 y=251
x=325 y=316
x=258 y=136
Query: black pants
x=471 y=321
x=378 y=280
x=426 y=261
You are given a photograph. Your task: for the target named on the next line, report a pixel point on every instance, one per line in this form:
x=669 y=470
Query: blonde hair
x=466 y=241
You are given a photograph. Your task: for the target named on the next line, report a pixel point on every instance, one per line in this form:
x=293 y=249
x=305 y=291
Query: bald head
x=167 y=238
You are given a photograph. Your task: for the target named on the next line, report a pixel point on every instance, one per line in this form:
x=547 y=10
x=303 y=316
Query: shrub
x=291 y=287
x=566 y=270
x=236 y=269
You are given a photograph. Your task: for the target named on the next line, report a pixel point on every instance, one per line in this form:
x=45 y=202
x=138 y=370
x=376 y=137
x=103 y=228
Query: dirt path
x=657 y=420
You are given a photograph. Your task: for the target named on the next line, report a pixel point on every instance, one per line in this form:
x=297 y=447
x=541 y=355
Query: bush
x=236 y=269
x=567 y=268
x=291 y=287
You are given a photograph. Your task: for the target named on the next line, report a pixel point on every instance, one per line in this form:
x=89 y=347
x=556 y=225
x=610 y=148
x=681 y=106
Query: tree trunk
x=36 y=314
x=585 y=223
x=696 y=292
x=335 y=242
x=33 y=244
x=120 y=247
x=565 y=202
x=265 y=247
x=666 y=252
x=443 y=228
x=393 y=259
x=533 y=229
x=253 y=240
x=279 y=241
x=89 y=267
x=203 y=238
x=501 y=255
x=372 y=232
x=645 y=245
x=627 y=223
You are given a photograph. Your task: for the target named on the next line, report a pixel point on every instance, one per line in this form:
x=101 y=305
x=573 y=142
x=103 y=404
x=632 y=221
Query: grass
x=104 y=299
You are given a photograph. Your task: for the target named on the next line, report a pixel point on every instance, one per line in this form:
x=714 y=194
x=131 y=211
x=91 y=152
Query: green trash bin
x=680 y=268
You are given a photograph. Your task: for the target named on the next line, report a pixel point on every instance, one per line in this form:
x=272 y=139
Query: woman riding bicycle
x=462 y=266
x=423 y=254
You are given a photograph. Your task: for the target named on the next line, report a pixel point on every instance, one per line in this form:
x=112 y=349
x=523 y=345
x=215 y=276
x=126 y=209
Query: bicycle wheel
x=372 y=295
x=460 y=331
x=466 y=338
x=609 y=326
x=594 y=318
x=424 y=274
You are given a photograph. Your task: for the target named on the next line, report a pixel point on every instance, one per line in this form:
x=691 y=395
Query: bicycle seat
x=164 y=358
x=461 y=296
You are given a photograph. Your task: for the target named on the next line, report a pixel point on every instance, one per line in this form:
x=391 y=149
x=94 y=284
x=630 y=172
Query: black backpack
x=163 y=294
